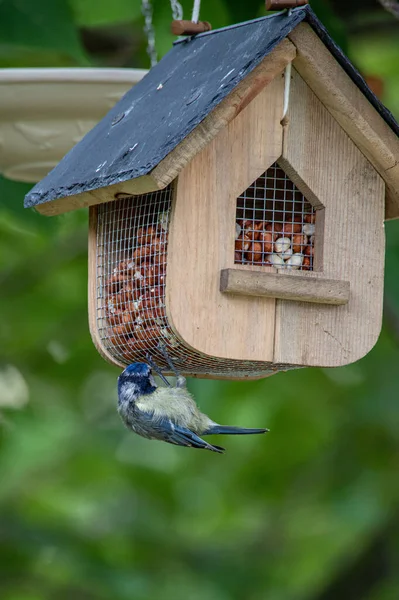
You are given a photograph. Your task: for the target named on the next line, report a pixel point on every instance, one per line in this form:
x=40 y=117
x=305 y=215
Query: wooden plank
x=224 y=113
x=350 y=108
x=93 y=303
x=285 y=287
x=201 y=240
x=320 y=153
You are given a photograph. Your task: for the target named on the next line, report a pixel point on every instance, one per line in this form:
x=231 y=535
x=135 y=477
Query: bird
x=167 y=413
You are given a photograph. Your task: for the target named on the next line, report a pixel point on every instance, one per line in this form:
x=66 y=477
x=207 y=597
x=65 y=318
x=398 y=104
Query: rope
x=196 y=11
x=287 y=87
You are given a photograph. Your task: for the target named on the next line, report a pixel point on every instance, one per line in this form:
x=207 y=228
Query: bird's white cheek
x=129 y=392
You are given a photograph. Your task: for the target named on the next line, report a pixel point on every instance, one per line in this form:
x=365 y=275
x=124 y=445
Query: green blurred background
x=88 y=511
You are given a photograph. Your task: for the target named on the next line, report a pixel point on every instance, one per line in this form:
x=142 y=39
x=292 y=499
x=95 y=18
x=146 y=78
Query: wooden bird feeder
x=245 y=243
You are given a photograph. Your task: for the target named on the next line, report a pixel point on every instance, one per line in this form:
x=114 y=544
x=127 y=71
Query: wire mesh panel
x=275 y=224
x=131 y=259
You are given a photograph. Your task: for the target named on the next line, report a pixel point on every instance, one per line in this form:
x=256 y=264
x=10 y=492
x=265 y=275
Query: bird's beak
x=162 y=376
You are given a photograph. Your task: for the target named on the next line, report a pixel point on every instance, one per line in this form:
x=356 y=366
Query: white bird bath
x=44 y=112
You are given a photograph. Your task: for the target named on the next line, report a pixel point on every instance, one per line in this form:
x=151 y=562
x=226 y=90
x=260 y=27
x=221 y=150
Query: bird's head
x=137 y=370
x=138 y=378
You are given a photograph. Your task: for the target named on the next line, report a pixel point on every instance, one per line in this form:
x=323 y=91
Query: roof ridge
x=181 y=40
x=174 y=98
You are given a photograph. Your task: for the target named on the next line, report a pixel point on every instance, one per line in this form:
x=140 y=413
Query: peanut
x=142 y=252
x=299 y=241
x=145 y=235
x=291 y=228
x=266 y=238
x=255 y=252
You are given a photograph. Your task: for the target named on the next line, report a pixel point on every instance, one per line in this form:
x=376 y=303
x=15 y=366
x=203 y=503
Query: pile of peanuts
x=288 y=245
x=135 y=293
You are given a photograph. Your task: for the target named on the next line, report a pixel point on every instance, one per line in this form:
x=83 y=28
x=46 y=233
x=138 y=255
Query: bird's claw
x=169 y=362
x=157 y=369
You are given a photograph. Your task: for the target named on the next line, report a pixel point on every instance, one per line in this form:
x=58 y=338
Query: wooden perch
x=285 y=287
x=189 y=27
x=282 y=4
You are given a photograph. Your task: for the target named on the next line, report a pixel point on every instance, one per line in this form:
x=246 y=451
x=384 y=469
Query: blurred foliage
x=33 y=31
x=89 y=511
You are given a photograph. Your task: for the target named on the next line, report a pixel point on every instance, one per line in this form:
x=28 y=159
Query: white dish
x=45 y=112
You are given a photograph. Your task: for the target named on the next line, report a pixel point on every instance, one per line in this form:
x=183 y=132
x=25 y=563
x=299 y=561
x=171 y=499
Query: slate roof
x=173 y=98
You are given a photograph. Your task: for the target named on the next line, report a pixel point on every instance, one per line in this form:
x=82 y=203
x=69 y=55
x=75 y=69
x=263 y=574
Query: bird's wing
x=160 y=427
x=181 y=436
x=184 y=437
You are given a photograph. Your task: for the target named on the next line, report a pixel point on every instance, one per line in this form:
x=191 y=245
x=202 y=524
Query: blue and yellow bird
x=169 y=413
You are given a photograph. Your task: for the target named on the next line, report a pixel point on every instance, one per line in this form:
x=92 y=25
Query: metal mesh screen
x=275 y=224
x=132 y=241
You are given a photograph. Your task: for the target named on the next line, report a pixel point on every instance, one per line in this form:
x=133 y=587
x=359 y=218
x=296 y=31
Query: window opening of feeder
x=275 y=224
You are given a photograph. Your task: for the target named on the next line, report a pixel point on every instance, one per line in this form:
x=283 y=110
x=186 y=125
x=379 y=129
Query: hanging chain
x=146 y=10
x=177 y=13
x=177 y=10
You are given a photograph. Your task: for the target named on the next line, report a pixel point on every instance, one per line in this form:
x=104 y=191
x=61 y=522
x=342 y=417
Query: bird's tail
x=225 y=429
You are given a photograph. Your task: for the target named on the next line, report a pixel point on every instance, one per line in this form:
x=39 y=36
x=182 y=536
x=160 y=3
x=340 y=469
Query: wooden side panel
x=350 y=108
x=202 y=238
x=320 y=153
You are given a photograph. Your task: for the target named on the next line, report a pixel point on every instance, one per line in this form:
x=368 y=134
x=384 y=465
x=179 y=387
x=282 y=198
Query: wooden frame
x=277 y=330
x=336 y=148
x=349 y=107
